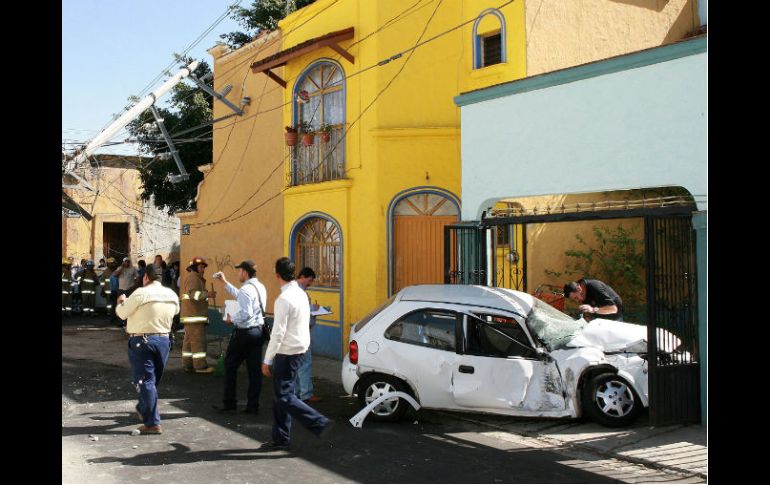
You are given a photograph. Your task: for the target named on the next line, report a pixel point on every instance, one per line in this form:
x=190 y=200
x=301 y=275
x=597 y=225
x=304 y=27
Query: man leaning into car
x=595 y=298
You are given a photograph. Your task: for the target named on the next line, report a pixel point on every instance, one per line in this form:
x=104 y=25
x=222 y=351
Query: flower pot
x=326 y=136
x=291 y=138
x=307 y=139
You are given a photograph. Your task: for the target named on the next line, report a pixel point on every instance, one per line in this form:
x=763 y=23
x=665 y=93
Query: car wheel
x=609 y=400
x=375 y=386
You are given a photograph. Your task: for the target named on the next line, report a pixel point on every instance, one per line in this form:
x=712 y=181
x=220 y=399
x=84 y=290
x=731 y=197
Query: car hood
x=612 y=336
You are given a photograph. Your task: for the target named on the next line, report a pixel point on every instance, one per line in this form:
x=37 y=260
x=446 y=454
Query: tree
x=263 y=15
x=189 y=107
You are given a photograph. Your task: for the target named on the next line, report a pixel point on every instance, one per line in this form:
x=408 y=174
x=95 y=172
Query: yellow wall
x=118 y=201
x=246 y=150
x=562 y=34
x=408 y=138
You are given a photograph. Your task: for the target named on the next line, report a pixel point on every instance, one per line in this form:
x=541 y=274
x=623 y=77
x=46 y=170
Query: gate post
x=700 y=223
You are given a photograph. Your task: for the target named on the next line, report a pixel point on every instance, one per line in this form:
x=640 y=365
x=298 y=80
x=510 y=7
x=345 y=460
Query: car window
x=362 y=323
x=428 y=328
x=496 y=336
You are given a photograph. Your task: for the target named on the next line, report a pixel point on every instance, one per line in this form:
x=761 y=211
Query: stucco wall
x=234 y=220
x=567 y=33
x=638 y=127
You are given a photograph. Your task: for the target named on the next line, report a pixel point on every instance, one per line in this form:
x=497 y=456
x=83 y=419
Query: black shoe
x=225 y=409
x=250 y=411
x=324 y=433
x=270 y=446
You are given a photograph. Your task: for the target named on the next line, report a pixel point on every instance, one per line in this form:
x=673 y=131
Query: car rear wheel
x=375 y=386
x=610 y=400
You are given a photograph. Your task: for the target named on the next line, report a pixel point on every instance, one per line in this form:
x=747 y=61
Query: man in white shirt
x=247 y=338
x=149 y=311
x=289 y=340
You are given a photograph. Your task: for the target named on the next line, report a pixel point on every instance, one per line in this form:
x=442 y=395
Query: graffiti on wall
x=223 y=262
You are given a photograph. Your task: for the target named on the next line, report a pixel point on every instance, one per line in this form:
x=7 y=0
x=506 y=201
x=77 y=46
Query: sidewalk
x=676 y=448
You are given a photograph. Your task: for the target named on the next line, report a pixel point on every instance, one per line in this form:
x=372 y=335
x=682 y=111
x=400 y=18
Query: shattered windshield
x=551 y=326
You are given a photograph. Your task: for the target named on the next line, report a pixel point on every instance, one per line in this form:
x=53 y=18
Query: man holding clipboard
x=247 y=338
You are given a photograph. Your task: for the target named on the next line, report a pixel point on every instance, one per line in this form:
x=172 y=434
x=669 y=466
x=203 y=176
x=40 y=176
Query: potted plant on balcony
x=307 y=133
x=326 y=132
x=291 y=136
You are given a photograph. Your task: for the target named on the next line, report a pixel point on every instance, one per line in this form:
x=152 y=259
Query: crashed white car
x=494 y=350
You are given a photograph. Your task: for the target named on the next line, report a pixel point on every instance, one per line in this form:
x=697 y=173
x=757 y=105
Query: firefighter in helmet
x=104 y=284
x=66 y=286
x=88 y=282
x=194 y=317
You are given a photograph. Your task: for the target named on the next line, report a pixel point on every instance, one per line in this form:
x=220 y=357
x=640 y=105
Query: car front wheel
x=609 y=400
x=375 y=386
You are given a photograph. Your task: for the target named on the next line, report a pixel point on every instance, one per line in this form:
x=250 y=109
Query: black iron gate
x=465 y=254
x=672 y=330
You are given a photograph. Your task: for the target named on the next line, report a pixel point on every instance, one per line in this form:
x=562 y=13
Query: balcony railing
x=320 y=162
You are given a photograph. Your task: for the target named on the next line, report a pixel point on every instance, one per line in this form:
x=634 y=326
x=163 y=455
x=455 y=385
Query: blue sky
x=112 y=49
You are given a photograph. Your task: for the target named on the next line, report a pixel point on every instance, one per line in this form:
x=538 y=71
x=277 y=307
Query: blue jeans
x=286 y=405
x=304 y=382
x=244 y=345
x=148 y=359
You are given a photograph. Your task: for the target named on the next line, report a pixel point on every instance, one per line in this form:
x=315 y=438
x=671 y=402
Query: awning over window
x=281 y=58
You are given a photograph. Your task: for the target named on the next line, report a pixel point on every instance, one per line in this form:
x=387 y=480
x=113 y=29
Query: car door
x=499 y=368
x=421 y=348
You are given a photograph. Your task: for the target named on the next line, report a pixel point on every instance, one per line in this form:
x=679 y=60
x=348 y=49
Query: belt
x=248 y=328
x=148 y=334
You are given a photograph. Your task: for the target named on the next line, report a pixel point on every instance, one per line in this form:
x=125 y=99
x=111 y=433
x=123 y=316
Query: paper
x=320 y=310
x=231 y=308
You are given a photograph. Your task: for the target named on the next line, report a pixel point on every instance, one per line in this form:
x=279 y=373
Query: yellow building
x=239 y=212
x=122 y=224
x=364 y=203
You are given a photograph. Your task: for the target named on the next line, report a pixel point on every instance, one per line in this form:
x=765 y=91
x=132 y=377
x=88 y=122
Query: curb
x=566 y=444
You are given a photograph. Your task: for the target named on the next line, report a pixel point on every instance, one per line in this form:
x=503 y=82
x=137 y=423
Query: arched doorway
x=316 y=242
x=417 y=237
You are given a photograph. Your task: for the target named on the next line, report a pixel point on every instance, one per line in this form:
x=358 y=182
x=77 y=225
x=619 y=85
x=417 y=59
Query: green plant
x=325 y=128
x=305 y=127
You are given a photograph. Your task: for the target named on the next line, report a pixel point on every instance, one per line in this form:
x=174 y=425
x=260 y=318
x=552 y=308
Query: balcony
x=320 y=162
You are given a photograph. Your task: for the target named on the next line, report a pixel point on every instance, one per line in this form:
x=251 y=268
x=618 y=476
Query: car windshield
x=551 y=326
x=362 y=323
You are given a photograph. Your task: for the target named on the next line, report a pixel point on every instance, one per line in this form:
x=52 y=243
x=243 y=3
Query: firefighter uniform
x=88 y=283
x=104 y=285
x=194 y=317
x=66 y=287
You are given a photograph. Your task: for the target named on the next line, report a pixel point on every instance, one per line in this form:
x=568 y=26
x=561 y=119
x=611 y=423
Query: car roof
x=472 y=295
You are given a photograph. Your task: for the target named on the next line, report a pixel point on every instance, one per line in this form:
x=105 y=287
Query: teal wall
x=700 y=223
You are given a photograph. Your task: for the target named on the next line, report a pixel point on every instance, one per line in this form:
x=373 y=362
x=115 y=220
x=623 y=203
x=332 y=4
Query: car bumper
x=349 y=375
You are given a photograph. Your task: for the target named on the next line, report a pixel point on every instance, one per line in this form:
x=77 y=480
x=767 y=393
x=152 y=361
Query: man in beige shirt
x=150 y=311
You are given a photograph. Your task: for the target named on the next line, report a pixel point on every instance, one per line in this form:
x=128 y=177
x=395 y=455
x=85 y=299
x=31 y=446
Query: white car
x=495 y=350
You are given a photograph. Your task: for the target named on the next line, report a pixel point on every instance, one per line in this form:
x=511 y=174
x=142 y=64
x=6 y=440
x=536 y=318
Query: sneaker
x=207 y=370
x=150 y=429
x=270 y=446
x=225 y=409
x=324 y=433
x=312 y=399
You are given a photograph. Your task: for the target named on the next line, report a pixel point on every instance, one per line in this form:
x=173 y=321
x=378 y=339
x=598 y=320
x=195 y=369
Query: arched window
x=317 y=245
x=319 y=102
x=489 y=39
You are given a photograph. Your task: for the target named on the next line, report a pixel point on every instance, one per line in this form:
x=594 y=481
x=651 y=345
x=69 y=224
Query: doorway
x=115 y=240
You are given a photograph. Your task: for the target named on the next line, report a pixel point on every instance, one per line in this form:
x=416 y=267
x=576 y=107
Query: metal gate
x=672 y=330
x=465 y=254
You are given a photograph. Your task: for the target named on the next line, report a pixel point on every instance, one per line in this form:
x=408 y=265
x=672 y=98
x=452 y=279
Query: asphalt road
x=201 y=446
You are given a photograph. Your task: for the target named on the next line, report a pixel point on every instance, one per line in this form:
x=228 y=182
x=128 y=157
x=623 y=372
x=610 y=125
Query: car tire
x=375 y=385
x=610 y=401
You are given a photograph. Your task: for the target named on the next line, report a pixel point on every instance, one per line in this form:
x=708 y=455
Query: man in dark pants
x=596 y=298
x=246 y=340
x=149 y=312
x=289 y=340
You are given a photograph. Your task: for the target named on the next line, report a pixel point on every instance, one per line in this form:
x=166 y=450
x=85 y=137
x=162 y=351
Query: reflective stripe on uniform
x=196 y=295
x=87 y=281
x=199 y=355
x=187 y=354
x=65 y=281
x=185 y=296
x=68 y=308
x=63 y=292
x=193 y=319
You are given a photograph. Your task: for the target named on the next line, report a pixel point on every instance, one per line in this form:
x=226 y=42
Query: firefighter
x=104 y=284
x=88 y=282
x=66 y=287
x=194 y=317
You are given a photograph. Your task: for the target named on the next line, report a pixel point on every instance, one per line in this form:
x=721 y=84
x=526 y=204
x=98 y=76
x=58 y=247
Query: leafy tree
x=188 y=107
x=263 y=15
